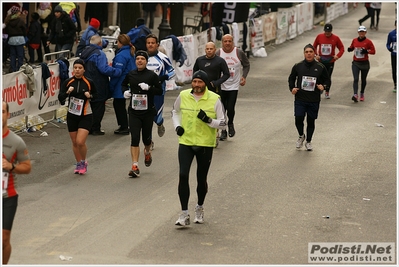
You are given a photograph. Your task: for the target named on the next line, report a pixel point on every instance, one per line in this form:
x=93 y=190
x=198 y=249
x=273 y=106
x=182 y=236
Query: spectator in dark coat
x=99 y=71
x=34 y=36
x=16 y=29
x=46 y=16
x=138 y=35
x=62 y=30
x=149 y=11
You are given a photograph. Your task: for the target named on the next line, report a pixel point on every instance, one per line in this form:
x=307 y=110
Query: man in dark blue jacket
x=88 y=33
x=138 y=35
x=99 y=71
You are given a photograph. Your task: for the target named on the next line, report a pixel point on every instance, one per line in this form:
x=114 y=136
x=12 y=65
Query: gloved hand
x=127 y=94
x=144 y=86
x=163 y=78
x=364 y=51
x=350 y=49
x=179 y=130
x=202 y=116
x=390 y=49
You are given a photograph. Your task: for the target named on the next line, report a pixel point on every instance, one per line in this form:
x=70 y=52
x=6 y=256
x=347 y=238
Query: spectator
x=206 y=15
x=97 y=10
x=88 y=33
x=45 y=12
x=16 y=29
x=98 y=70
x=62 y=31
x=73 y=10
x=34 y=36
x=124 y=60
x=138 y=34
x=149 y=11
x=391 y=46
x=370 y=14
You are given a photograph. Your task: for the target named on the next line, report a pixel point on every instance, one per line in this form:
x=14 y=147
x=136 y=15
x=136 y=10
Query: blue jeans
x=16 y=53
x=61 y=47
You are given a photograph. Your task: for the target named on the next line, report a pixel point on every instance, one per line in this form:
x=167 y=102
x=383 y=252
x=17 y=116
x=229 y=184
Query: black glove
x=179 y=130
x=202 y=116
x=364 y=51
x=163 y=78
x=390 y=49
x=350 y=49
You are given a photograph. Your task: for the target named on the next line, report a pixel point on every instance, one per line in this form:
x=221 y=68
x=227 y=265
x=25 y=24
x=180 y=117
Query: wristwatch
x=13 y=167
x=209 y=120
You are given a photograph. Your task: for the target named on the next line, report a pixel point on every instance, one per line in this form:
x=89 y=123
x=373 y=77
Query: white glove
x=144 y=86
x=127 y=94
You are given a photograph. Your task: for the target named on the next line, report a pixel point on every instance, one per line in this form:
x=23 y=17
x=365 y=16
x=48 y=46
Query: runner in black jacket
x=307 y=81
x=80 y=91
x=140 y=86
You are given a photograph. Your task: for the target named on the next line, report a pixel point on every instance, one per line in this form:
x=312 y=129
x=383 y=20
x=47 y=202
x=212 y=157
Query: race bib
x=394 y=47
x=232 y=71
x=358 y=53
x=75 y=106
x=326 y=49
x=5 y=181
x=308 y=83
x=139 y=102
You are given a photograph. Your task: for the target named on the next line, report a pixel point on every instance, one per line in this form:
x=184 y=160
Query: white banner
x=256 y=34
x=269 y=27
x=282 y=25
x=185 y=72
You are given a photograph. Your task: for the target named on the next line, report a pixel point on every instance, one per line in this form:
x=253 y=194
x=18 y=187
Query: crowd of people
x=139 y=73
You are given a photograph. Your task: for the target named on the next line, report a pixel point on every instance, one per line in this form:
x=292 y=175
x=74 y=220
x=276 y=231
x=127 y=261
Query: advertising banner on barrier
x=229 y=13
x=16 y=94
x=269 y=27
x=46 y=96
x=292 y=22
x=202 y=39
x=282 y=25
x=185 y=72
x=256 y=34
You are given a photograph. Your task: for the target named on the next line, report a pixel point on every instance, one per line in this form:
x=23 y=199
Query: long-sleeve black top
x=131 y=82
x=80 y=85
x=216 y=68
x=305 y=75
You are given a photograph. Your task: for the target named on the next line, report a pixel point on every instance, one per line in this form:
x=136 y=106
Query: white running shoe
x=308 y=146
x=199 y=214
x=183 y=220
x=299 y=143
x=161 y=130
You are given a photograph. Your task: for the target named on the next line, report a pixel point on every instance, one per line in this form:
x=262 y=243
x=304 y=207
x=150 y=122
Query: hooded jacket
x=98 y=70
x=62 y=30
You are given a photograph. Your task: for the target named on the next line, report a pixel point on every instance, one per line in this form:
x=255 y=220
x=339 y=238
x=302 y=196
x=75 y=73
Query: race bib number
x=394 y=47
x=232 y=71
x=139 y=102
x=308 y=83
x=75 y=106
x=5 y=181
x=326 y=49
x=358 y=53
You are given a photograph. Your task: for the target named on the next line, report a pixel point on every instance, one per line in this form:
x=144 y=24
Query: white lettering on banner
x=229 y=12
x=16 y=93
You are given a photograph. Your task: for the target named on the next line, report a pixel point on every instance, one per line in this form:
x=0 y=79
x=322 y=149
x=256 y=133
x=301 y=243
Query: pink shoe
x=361 y=97
x=83 y=168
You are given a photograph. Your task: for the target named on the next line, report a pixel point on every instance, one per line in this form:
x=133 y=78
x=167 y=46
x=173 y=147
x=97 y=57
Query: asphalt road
x=266 y=199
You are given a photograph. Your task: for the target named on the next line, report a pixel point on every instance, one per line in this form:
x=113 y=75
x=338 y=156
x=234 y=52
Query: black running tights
x=186 y=155
x=309 y=129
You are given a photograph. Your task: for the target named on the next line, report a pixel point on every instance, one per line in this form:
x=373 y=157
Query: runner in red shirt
x=325 y=45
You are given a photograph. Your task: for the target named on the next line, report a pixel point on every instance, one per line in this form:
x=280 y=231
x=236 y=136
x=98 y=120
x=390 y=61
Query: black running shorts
x=75 y=122
x=9 y=209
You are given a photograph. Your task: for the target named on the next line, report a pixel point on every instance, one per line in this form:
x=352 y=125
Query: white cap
x=362 y=29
